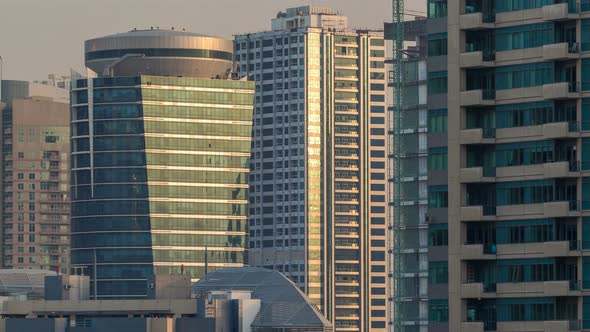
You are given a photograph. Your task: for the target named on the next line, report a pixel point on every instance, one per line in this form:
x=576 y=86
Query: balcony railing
x=489 y=171
x=488 y=133
x=489 y=210
x=574 y=205
x=488 y=94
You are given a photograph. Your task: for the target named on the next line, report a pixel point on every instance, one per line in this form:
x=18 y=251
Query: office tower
x=35 y=187
x=518 y=194
x=161 y=144
x=317 y=183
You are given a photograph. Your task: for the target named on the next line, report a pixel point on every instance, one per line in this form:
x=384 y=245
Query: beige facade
x=493 y=303
x=35 y=186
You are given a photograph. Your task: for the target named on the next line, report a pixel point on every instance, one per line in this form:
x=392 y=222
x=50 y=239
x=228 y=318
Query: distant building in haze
x=35 y=196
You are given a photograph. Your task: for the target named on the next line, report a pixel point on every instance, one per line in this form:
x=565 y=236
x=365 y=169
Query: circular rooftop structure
x=161 y=53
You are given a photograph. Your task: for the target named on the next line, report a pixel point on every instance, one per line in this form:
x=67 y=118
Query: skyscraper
x=161 y=144
x=35 y=186
x=317 y=183
x=515 y=84
x=419 y=180
x=518 y=194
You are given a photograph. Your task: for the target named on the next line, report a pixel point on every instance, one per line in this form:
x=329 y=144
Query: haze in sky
x=40 y=37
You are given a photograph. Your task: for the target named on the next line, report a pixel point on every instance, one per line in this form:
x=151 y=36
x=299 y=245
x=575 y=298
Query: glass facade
x=160 y=178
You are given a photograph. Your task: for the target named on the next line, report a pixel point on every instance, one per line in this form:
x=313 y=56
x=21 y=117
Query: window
x=528 y=270
x=438 y=197
x=525 y=192
x=516 y=5
x=438 y=158
x=437 y=8
x=586 y=73
x=586 y=312
x=437 y=82
x=525 y=231
x=525 y=309
x=437 y=121
x=522 y=76
x=438 y=235
x=524 y=36
x=438 y=311
x=525 y=114
x=437 y=44
x=438 y=273
x=586 y=33
x=524 y=153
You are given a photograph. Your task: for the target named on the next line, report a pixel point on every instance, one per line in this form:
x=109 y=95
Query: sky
x=41 y=37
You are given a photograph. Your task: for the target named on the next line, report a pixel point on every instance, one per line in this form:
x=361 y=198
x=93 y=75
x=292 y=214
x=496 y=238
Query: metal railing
x=489 y=171
x=488 y=55
x=489 y=325
x=573 y=87
x=574 y=165
x=489 y=210
x=575 y=285
x=488 y=16
x=488 y=132
x=488 y=94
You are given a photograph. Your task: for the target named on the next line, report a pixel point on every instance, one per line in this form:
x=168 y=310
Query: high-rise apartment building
x=35 y=168
x=161 y=145
x=317 y=182
x=517 y=85
x=518 y=187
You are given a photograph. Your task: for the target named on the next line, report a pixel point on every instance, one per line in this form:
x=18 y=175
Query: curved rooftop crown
x=159 y=52
x=282 y=302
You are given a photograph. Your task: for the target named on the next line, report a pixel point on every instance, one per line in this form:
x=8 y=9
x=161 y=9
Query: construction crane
x=395 y=152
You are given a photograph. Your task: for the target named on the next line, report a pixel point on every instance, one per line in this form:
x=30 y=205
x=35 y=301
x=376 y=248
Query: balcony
x=472 y=327
x=529 y=326
x=478 y=97
x=539 y=210
x=545 y=249
x=477 y=21
x=533 y=289
x=561 y=51
x=561 y=90
x=477 y=174
x=477 y=136
x=476 y=59
x=477 y=252
x=474 y=291
x=539 y=132
x=557 y=12
x=478 y=213
x=560 y=169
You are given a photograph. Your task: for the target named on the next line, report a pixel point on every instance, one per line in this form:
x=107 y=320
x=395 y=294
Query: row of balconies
x=547 y=131
x=552 y=91
x=481 y=21
x=520 y=289
x=522 y=326
x=483 y=59
x=539 y=210
x=561 y=169
x=517 y=250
